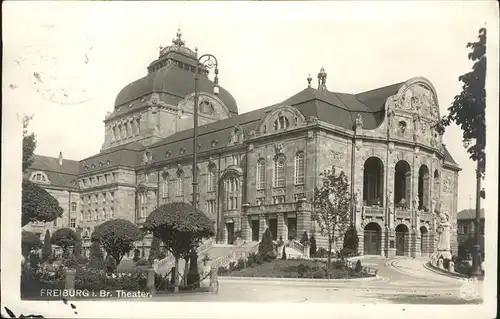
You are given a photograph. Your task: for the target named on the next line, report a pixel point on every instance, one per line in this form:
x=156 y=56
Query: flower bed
x=293 y=269
x=97 y=279
x=33 y=281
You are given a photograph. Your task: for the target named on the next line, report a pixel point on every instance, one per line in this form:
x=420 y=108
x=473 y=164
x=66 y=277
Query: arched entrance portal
x=402 y=233
x=424 y=241
x=372 y=239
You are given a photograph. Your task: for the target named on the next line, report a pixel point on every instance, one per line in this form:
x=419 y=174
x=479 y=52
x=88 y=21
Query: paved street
x=402 y=280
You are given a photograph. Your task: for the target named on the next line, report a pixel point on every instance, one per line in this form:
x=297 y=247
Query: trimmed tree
x=96 y=255
x=29 y=241
x=117 y=237
x=331 y=207
x=305 y=239
x=38 y=205
x=64 y=238
x=47 y=247
x=181 y=228
x=312 y=252
x=77 y=250
x=154 y=250
x=351 y=240
x=266 y=246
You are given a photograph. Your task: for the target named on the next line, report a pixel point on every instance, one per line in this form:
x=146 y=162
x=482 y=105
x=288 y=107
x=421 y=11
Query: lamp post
x=476 y=259
x=209 y=62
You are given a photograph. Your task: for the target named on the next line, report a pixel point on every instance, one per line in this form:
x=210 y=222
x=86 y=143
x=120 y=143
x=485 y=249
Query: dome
x=172 y=76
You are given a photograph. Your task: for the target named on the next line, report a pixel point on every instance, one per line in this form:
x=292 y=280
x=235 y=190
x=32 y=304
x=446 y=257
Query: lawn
x=279 y=268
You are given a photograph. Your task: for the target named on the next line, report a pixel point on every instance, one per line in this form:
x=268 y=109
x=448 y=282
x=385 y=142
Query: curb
x=306 y=280
x=438 y=271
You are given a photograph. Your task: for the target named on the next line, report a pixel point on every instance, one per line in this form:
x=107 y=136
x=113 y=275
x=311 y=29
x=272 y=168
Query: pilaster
x=245 y=228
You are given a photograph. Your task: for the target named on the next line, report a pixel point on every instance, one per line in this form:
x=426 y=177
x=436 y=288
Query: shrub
x=34 y=260
x=284 y=254
x=348 y=252
x=303 y=270
x=77 y=250
x=266 y=246
x=29 y=241
x=117 y=237
x=111 y=264
x=70 y=263
x=313 y=248
x=137 y=255
x=321 y=253
x=193 y=277
x=305 y=239
x=240 y=264
x=351 y=239
x=205 y=259
x=47 y=247
x=64 y=238
x=96 y=255
x=154 y=250
x=162 y=254
x=358 y=267
x=38 y=205
x=97 y=279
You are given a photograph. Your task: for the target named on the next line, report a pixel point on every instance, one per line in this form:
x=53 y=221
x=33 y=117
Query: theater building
x=258 y=169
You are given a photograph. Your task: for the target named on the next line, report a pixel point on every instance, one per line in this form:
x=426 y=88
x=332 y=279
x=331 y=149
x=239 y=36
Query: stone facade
x=258 y=170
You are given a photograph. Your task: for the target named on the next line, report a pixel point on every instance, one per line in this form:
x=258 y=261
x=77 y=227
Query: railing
x=297 y=246
x=201 y=249
x=373 y=211
x=403 y=213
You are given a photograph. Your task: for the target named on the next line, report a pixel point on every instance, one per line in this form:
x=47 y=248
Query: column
x=245 y=225
x=281 y=225
x=262 y=225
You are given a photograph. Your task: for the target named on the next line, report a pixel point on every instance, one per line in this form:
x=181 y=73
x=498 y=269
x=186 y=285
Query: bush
x=358 y=267
x=303 y=270
x=351 y=239
x=266 y=247
x=96 y=255
x=253 y=259
x=77 y=250
x=64 y=238
x=313 y=248
x=97 y=280
x=34 y=260
x=29 y=241
x=70 y=263
x=284 y=254
x=162 y=254
x=305 y=239
x=154 y=250
x=137 y=255
x=348 y=252
x=321 y=253
x=47 y=247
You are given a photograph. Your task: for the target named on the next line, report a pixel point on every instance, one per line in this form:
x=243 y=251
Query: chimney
x=60 y=158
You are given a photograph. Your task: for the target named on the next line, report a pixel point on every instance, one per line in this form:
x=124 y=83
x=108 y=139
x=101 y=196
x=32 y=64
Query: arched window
x=261 y=174
x=281 y=123
x=39 y=177
x=279 y=171
x=180 y=183
x=232 y=193
x=73 y=207
x=212 y=178
x=299 y=168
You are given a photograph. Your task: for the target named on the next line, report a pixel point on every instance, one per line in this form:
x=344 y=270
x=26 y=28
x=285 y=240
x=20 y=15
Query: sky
x=66 y=61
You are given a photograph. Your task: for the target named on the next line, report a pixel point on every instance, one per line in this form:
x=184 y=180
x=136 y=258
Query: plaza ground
x=401 y=280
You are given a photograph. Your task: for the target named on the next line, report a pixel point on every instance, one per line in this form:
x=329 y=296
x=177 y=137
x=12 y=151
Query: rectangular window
x=81 y=215
x=465 y=229
x=96 y=216
x=165 y=189
x=73 y=223
x=236 y=159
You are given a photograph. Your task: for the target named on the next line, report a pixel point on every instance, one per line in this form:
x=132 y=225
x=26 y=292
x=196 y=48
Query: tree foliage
x=351 y=239
x=29 y=241
x=305 y=239
x=266 y=246
x=313 y=248
x=29 y=144
x=181 y=228
x=117 y=237
x=331 y=206
x=154 y=250
x=96 y=255
x=468 y=108
x=38 y=205
x=47 y=247
x=64 y=238
x=77 y=250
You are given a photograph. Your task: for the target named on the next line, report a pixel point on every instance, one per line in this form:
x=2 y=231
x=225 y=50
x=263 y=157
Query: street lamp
x=209 y=62
x=476 y=259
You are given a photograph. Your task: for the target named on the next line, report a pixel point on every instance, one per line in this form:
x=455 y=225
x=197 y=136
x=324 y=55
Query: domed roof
x=173 y=75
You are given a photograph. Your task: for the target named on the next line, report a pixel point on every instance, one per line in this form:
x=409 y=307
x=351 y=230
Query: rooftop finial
x=178 y=41
x=309 y=80
x=322 y=79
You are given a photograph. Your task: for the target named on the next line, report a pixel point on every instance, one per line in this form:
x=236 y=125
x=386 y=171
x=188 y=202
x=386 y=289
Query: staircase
x=165 y=265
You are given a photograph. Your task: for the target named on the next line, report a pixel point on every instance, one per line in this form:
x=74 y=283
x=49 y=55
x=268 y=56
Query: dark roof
x=469 y=214
x=175 y=84
x=64 y=175
x=341 y=109
x=127 y=155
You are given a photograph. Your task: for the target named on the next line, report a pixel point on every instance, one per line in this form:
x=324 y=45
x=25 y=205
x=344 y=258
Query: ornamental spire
x=309 y=80
x=178 y=41
x=322 y=79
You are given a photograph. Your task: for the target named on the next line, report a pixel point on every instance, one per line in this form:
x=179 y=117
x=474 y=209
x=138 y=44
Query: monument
x=444 y=246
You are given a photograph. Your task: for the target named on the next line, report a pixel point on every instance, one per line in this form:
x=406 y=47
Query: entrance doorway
x=424 y=241
x=230 y=233
x=372 y=243
x=255 y=230
x=273 y=227
x=401 y=239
